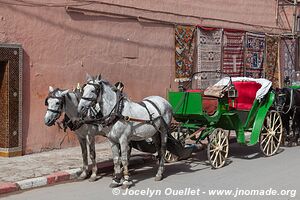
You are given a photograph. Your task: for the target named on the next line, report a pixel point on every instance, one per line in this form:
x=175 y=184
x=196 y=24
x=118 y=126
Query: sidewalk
x=39 y=169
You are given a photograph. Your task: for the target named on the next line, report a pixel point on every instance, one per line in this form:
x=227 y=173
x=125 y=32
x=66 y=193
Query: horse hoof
x=115 y=184
x=158 y=178
x=127 y=184
x=124 y=187
x=93 y=178
x=82 y=176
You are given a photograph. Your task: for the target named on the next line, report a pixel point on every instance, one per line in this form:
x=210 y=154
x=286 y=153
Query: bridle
x=94 y=100
x=61 y=103
x=98 y=89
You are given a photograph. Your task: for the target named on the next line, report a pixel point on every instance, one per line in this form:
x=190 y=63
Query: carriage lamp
x=232 y=92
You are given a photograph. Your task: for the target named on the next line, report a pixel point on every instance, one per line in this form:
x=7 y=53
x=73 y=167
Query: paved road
x=247 y=173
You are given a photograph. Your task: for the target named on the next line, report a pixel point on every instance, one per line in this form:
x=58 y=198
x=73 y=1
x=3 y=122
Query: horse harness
x=116 y=113
x=66 y=122
x=292 y=106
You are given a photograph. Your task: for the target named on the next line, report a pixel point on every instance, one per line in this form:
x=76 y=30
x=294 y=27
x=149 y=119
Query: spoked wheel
x=218 y=147
x=271 y=134
x=170 y=158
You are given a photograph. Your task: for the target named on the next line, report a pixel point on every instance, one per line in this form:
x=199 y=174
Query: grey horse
x=128 y=121
x=62 y=101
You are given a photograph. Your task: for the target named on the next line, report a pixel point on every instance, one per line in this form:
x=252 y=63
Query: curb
x=63 y=176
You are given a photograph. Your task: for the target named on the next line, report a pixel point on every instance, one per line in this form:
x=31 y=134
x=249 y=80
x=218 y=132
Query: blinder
x=61 y=103
x=97 y=92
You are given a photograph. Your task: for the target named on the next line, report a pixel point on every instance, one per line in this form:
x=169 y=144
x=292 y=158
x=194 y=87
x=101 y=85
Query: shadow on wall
x=26 y=99
x=77 y=17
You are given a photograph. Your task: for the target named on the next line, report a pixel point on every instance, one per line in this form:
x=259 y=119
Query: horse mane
x=53 y=93
x=113 y=87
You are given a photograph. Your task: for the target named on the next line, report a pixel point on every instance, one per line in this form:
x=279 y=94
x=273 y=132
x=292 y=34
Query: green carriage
x=237 y=104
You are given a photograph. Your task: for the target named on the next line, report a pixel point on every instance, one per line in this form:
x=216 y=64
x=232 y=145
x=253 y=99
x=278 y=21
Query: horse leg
x=295 y=131
x=161 y=153
x=91 y=140
x=297 y=128
x=116 y=182
x=85 y=167
x=129 y=151
x=125 y=150
x=286 y=125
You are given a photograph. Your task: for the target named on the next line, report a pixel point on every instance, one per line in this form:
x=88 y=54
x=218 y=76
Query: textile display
x=271 y=68
x=233 y=52
x=184 y=52
x=254 y=55
x=287 y=59
x=209 y=50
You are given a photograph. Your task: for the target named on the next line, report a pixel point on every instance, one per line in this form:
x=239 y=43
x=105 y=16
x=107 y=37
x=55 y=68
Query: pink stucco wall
x=60 y=47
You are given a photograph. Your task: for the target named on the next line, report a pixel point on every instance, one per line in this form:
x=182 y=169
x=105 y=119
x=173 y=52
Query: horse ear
x=64 y=92
x=89 y=77
x=98 y=78
x=51 y=89
x=78 y=87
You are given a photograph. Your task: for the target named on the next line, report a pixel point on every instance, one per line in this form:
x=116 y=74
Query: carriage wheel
x=170 y=158
x=271 y=134
x=218 y=147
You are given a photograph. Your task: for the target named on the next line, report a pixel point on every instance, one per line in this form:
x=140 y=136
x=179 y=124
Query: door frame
x=16 y=149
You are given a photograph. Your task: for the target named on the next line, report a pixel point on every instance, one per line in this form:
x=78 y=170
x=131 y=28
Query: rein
x=291 y=102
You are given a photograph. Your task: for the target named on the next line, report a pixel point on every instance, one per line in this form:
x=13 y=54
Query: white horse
x=128 y=121
x=63 y=101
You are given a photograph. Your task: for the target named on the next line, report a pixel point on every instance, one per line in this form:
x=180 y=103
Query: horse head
x=91 y=94
x=282 y=98
x=54 y=102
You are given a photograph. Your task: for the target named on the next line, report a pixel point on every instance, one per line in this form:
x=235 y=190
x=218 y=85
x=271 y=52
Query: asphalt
x=46 y=168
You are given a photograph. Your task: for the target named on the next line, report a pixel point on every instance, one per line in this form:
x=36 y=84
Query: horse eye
x=57 y=103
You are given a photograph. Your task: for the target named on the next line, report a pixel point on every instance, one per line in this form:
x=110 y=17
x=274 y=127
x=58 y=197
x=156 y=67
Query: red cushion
x=209 y=105
x=246 y=94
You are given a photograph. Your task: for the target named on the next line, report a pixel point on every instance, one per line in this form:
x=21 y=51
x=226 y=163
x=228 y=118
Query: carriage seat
x=246 y=94
x=209 y=104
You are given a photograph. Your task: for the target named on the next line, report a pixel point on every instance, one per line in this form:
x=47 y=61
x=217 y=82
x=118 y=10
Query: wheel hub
x=272 y=133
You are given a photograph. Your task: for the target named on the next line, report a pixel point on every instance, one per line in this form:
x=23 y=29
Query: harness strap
x=154 y=105
x=150 y=114
x=54 y=111
x=159 y=117
x=291 y=101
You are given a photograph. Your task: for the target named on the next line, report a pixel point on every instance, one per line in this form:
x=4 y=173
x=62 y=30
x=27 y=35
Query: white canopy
x=265 y=84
